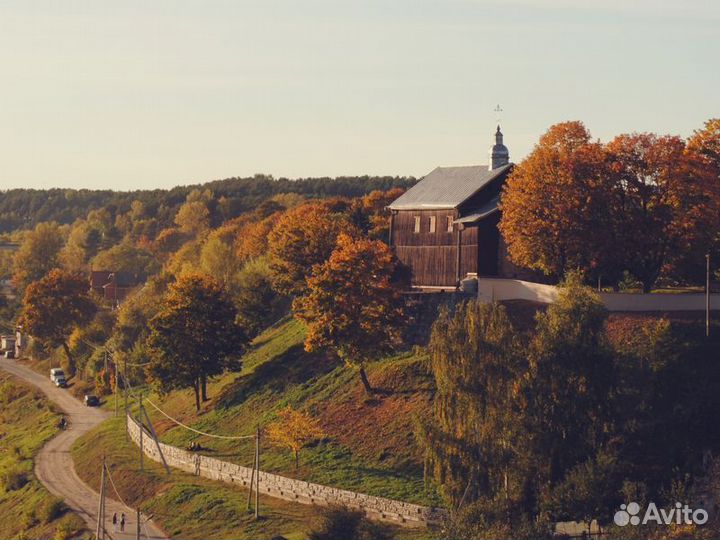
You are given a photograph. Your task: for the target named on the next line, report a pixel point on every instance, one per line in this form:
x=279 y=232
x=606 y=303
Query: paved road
x=54 y=465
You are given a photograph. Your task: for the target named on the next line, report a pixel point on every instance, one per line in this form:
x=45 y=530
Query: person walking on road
x=122 y=522
x=115 y=522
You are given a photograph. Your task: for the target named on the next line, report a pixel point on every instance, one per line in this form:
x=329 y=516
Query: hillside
x=27 y=421
x=369 y=445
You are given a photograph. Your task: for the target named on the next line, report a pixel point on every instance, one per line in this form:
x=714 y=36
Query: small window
x=417 y=224
x=449 y=224
x=432 y=224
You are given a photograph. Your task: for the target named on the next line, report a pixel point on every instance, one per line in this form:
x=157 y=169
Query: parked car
x=91 y=401
x=57 y=376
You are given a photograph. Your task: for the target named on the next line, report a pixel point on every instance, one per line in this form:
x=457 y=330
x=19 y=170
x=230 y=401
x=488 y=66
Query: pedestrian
x=122 y=522
x=115 y=522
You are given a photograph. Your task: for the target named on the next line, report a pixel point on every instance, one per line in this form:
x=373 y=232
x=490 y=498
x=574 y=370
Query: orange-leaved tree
x=556 y=213
x=303 y=237
x=53 y=306
x=371 y=215
x=353 y=303
x=703 y=149
x=194 y=336
x=659 y=201
x=294 y=430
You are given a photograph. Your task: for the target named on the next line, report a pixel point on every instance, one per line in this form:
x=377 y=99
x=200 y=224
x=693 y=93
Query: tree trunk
x=203 y=381
x=196 y=387
x=70 y=359
x=366 y=384
x=297 y=460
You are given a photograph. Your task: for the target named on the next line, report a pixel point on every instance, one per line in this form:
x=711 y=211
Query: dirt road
x=54 y=465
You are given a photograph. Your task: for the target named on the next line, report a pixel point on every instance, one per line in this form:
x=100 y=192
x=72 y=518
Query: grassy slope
x=183 y=505
x=186 y=506
x=367 y=448
x=370 y=444
x=27 y=421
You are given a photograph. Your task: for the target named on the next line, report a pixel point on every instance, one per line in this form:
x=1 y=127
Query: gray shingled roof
x=446 y=187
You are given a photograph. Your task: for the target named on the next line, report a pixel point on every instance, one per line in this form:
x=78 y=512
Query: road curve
x=54 y=466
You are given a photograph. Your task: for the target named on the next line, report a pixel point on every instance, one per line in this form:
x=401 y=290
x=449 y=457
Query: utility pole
x=125 y=389
x=252 y=475
x=100 y=531
x=137 y=528
x=117 y=380
x=141 y=434
x=257 y=480
x=707 y=295
x=144 y=413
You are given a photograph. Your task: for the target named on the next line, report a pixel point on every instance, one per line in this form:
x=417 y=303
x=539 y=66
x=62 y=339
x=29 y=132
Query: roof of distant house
x=447 y=187
x=101 y=278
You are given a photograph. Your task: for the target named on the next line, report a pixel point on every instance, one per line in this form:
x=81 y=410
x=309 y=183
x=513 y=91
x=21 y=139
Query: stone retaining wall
x=280 y=487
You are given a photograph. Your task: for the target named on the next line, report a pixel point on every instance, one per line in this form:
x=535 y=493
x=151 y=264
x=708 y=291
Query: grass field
x=27 y=421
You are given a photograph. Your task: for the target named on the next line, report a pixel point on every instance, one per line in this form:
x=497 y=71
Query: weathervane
x=498 y=110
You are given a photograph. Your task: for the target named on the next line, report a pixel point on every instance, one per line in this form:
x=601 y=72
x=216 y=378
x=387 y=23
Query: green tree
x=126 y=258
x=564 y=397
x=353 y=304
x=53 y=306
x=194 y=336
x=217 y=256
x=258 y=304
x=476 y=361
x=38 y=253
x=193 y=217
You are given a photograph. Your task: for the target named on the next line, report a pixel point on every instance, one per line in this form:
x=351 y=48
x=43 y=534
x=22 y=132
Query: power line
x=112 y=483
x=227 y=437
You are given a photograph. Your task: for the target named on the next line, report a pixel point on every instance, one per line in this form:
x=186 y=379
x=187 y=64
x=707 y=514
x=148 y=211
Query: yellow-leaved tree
x=294 y=430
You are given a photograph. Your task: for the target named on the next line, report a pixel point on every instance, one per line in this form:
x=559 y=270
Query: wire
x=112 y=483
x=228 y=437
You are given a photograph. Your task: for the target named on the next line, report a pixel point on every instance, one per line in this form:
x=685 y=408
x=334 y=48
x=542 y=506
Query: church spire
x=499 y=154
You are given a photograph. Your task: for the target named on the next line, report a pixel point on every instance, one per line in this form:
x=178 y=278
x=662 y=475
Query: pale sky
x=155 y=93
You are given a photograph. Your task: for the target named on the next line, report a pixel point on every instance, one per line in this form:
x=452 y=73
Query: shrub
x=50 y=509
x=29 y=520
x=341 y=523
x=14 y=479
x=69 y=527
x=488 y=519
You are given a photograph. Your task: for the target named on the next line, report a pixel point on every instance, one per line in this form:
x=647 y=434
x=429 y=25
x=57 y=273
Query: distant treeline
x=25 y=208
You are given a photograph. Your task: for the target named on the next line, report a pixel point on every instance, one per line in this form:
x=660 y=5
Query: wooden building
x=111 y=286
x=445 y=227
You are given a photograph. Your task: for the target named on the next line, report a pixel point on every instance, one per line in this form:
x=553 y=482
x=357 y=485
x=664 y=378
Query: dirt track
x=54 y=466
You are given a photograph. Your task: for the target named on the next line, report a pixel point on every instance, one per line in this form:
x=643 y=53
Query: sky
x=153 y=94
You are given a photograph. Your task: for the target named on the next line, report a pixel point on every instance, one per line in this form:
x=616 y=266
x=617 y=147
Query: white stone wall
x=497 y=289
x=280 y=487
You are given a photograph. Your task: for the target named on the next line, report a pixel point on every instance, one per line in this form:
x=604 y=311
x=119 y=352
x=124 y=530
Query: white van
x=57 y=376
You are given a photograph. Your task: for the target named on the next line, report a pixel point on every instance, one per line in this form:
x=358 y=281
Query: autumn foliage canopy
x=642 y=203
